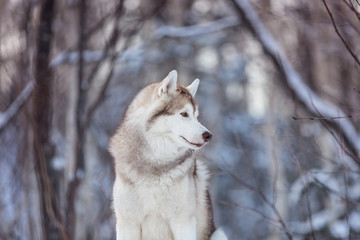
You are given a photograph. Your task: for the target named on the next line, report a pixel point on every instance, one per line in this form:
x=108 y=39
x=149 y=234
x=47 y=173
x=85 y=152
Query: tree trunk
x=47 y=177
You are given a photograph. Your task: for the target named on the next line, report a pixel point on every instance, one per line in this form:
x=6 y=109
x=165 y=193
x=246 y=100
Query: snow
x=354 y=220
x=339 y=229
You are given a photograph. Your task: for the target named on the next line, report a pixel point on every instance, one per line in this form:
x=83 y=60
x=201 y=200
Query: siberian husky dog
x=161 y=187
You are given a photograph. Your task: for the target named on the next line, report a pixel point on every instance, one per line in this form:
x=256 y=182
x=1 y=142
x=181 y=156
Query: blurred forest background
x=279 y=89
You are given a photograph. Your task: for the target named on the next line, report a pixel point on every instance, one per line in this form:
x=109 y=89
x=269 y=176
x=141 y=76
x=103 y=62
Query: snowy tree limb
x=134 y=53
x=196 y=30
x=303 y=92
x=90 y=56
x=15 y=106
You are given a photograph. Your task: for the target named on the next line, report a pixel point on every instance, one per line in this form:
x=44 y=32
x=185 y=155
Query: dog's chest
x=167 y=197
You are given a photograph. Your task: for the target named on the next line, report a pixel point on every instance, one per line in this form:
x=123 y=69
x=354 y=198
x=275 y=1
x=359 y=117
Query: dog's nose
x=206 y=136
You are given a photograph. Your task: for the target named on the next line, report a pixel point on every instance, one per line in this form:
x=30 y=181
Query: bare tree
x=48 y=178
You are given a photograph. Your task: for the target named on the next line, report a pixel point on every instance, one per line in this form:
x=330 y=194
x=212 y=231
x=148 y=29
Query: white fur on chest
x=156 y=194
x=152 y=203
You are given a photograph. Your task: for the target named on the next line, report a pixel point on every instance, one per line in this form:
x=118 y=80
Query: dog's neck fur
x=138 y=151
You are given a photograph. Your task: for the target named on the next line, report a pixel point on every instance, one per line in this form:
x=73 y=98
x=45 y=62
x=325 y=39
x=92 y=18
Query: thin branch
x=347 y=198
x=352 y=8
x=15 y=106
x=321 y=219
x=100 y=24
x=254 y=212
x=101 y=97
x=79 y=162
x=353 y=200
x=323 y=118
x=302 y=91
x=341 y=144
x=266 y=201
x=109 y=45
x=165 y=31
x=196 y=30
x=339 y=34
x=308 y=205
x=326 y=124
x=304 y=179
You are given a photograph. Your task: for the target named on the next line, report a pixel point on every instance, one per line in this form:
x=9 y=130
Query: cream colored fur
x=161 y=187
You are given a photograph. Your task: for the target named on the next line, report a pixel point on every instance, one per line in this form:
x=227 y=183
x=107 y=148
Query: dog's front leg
x=184 y=229
x=128 y=231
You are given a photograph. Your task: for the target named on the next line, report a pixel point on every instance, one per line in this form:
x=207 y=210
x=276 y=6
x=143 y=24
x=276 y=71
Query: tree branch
x=266 y=200
x=321 y=219
x=161 y=32
x=196 y=30
x=15 y=106
x=339 y=34
x=303 y=92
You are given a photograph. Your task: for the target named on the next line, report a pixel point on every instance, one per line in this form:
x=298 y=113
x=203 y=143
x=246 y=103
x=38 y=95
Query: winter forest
x=280 y=91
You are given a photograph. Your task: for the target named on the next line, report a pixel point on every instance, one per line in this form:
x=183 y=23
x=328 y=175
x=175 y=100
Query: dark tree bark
x=48 y=178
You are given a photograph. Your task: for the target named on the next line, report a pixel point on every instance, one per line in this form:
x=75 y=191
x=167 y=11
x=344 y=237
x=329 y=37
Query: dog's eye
x=184 y=114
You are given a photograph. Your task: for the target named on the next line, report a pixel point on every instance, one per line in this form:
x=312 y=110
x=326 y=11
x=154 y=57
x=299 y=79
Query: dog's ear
x=192 y=88
x=168 y=85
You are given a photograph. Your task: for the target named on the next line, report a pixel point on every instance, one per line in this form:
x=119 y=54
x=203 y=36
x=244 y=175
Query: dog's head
x=175 y=114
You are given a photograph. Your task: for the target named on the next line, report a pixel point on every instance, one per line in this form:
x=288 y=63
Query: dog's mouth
x=194 y=144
